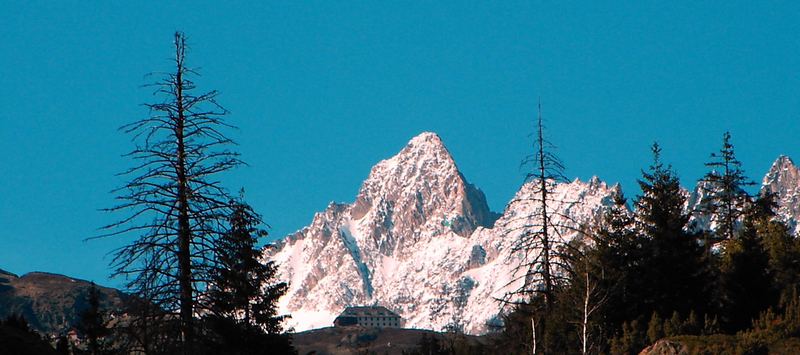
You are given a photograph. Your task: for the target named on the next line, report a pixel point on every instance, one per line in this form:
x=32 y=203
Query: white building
x=368 y=316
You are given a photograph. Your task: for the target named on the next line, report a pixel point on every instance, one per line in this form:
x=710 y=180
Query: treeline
x=727 y=267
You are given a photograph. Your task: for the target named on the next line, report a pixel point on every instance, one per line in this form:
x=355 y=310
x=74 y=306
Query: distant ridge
x=51 y=303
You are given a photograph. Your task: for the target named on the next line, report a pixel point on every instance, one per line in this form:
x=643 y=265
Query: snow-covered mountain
x=420 y=240
x=783 y=180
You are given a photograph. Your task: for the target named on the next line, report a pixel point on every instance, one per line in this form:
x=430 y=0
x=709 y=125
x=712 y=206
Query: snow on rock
x=783 y=180
x=696 y=206
x=420 y=240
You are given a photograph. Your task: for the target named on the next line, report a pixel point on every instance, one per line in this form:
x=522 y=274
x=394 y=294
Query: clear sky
x=322 y=92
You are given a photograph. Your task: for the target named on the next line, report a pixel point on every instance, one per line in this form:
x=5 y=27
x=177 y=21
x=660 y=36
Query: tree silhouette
x=725 y=197
x=673 y=270
x=238 y=290
x=174 y=202
x=537 y=239
x=537 y=234
x=92 y=323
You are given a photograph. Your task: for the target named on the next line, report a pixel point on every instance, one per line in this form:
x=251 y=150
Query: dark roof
x=368 y=311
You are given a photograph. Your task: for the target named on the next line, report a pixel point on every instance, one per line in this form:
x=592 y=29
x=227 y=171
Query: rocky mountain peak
x=416 y=190
x=782 y=172
x=424 y=157
x=783 y=180
x=425 y=140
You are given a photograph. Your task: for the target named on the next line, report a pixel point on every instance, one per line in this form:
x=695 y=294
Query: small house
x=368 y=316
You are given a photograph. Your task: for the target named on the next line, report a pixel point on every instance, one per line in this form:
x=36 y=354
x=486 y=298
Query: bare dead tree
x=538 y=235
x=538 y=239
x=174 y=202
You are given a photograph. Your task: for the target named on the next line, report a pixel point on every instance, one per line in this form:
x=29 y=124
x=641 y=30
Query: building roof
x=368 y=311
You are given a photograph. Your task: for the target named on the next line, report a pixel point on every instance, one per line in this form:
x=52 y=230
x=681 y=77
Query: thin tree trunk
x=546 y=276
x=533 y=332
x=548 y=286
x=585 y=336
x=184 y=227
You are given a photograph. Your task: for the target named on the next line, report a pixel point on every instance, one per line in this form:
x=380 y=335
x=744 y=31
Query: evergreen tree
x=673 y=270
x=782 y=248
x=517 y=332
x=630 y=341
x=655 y=328
x=672 y=326
x=92 y=324
x=724 y=185
x=659 y=210
x=692 y=325
x=746 y=282
x=710 y=325
x=617 y=255
x=239 y=275
x=244 y=294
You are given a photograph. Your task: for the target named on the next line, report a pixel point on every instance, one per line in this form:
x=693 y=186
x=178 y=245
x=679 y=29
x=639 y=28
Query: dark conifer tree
x=243 y=296
x=745 y=280
x=239 y=277
x=748 y=283
x=92 y=323
x=655 y=328
x=674 y=272
x=618 y=256
x=725 y=197
x=782 y=248
x=630 y=341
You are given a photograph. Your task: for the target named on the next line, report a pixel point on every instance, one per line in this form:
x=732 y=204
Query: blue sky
x=322 y=91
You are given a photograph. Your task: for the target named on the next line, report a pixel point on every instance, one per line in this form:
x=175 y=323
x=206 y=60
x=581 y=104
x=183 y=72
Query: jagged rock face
x=783 y=180
x=420 y=240
x=416 y=191
x=695 y=207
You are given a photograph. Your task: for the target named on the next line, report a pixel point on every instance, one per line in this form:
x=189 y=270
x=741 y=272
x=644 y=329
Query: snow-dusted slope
x=783 y=180
x=420 y=240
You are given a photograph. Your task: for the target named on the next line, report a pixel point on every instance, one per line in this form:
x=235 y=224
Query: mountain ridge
x=419 y=238
x=50 y=302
